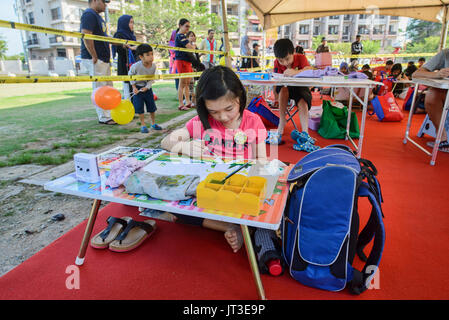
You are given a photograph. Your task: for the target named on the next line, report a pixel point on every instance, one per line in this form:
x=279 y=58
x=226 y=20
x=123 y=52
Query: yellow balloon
x=123 y=113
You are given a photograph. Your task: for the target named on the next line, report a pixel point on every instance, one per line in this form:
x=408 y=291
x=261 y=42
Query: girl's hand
x=290 y=72
x=135 y=90
x=194 y=148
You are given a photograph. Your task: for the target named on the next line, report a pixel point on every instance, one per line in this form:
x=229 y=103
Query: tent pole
x=224 y=21
x=443 y=30
x=264 y=46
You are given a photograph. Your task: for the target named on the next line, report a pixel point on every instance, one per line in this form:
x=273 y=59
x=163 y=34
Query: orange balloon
x=107 y=97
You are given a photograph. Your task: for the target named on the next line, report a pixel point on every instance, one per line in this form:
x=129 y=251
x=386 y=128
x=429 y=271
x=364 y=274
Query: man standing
x=323 y=47
x=245 y=51
x=356 y=47
x=96 y=55
x=210 y=44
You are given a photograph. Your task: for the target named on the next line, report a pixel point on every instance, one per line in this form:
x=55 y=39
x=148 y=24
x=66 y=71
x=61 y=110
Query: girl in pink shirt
x=222 y=128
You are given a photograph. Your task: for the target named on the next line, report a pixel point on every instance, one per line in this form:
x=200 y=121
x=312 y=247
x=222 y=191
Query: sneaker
x=305 y=146
x=301 y=137
x=156 y=127
x=144 y=129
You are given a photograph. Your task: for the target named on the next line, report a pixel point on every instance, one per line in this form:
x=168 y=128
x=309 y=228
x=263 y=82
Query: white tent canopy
x=274 y=13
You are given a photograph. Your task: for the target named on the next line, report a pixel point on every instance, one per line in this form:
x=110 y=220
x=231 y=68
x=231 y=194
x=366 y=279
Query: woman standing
x=183 y=64
x=125 y=52
x=197 y=66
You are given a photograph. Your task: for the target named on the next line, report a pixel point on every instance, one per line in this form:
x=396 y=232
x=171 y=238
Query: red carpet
x=187 y=262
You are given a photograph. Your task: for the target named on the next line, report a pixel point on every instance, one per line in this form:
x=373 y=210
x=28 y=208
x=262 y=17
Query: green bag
x=333 y=122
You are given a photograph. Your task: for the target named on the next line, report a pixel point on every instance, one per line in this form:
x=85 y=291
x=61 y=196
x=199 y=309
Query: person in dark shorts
x=289 y=64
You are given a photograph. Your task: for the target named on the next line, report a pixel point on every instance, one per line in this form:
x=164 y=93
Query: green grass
x=49 y=128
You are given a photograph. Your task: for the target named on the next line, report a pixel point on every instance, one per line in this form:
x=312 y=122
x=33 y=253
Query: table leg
x=410 y=115
x=362 y=125
x=440 y=130
x=348 y=121
x=88 y=232
x=253 y=261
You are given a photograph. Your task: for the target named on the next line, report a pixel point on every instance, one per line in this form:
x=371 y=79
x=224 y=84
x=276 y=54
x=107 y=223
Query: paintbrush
x=231 y=174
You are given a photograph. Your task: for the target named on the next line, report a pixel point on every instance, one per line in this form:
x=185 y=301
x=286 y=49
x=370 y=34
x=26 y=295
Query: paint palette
x=239 y=194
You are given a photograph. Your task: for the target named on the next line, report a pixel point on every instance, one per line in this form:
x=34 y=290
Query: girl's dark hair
x=215 y=83
x=190 y=32
x=182 y=22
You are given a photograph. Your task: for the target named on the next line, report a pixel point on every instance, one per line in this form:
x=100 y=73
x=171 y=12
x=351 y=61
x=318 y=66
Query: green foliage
x=369 y=46
x=429 y=44
x=157 y=19
x=418 y=30
x=3 y=47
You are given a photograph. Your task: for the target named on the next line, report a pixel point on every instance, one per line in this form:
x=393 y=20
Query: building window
x=333 y=30
x=347 y=17
x=334 y=17
x=379 y=29
x=287 y=31
x=303 y=29
x=56 y=13
x=214 y=9
x=62 y=53
x=391 y=30
x=363 y=16
x=363 y=30
x=304 y=44
x=30 y=17
x=316 y=30
x=345 y=30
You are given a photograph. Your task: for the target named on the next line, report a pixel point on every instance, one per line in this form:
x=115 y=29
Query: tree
x=157 y=19
x=418 y=30
x=3 y=47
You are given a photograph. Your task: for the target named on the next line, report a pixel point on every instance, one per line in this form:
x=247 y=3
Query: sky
x=11 y=36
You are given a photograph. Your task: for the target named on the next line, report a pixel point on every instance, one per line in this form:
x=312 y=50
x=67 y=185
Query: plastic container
x=239 y=194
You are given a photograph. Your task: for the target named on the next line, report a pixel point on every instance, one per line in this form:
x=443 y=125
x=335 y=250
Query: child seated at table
x=289 y=64
x=224 y=128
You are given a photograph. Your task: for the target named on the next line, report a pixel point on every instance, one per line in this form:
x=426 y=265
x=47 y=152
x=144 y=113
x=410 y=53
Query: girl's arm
x=179 y=141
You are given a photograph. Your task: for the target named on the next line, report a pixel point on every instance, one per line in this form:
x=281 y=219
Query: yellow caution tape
x=46 y=79
x=30 y=27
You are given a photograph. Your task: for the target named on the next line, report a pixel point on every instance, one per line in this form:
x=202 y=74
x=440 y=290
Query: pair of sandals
x=304 y=141
x=186 y=107
x=123 y=234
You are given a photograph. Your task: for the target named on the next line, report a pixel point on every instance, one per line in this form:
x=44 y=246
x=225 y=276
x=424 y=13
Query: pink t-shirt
x=230 y=142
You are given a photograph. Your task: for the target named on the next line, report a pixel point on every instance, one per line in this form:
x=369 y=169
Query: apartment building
x=58 y=14
x=344 y=28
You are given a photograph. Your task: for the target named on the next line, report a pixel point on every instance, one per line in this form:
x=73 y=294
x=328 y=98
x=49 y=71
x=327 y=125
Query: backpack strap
x=373 y=230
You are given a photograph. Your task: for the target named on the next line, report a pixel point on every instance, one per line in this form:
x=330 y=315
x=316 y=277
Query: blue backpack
x=320 y=231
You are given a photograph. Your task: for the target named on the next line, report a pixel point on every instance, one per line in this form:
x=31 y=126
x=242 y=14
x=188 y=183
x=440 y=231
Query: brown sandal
x=105 y=237
x=133 y=236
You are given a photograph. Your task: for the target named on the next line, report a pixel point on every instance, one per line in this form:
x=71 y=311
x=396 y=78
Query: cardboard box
x=254 y=75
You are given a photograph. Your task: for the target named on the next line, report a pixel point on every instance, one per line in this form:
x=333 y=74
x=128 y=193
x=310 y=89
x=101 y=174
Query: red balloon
x=155 y=97
x=107 y=97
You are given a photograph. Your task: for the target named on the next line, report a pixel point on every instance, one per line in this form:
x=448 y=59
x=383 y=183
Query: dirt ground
x=26 y=224
x=27 y=211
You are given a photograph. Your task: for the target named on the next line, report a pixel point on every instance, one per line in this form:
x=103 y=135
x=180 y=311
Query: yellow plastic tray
x=239 y=194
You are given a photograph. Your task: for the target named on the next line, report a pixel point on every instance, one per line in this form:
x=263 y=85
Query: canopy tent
x=274 y=13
